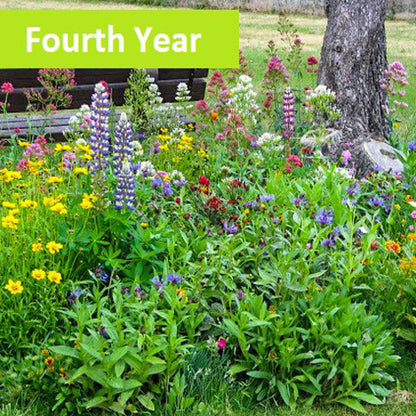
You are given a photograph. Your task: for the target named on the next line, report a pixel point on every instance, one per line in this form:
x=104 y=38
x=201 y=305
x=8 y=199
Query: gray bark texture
x=353 y=60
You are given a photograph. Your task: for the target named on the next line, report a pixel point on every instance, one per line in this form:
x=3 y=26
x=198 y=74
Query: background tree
x=353 y=61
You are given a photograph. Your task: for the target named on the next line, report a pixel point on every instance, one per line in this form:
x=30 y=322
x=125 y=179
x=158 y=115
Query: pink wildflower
x=7 y=88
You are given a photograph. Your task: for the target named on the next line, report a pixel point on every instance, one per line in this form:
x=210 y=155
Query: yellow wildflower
x=38 y=274
x=81 y=171
x=9 y=222
x=55 y=179
x=14 y=287
x=23 y=143
x=55 y=277
x=28 y=203
x=86 y=204
x=202 y=153
x=59 y=208
x=63 y=148
x=37 y=247
x=54 y=247
x=144 y=224
x=9 y=205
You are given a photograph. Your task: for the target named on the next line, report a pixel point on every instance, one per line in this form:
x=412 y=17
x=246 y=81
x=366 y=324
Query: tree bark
x=353 y=60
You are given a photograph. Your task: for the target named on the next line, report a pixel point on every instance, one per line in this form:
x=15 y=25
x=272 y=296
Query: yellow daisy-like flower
x=45 y=351
x=63 y=148
x=202 y=153
x=9 y=222
x=28 y=203
x=90 y=197
x=81 y=171
x=397 y=207
x=38 y=274
x=59 y=208
x=23 y=143
x=14 y=287
x=8 y=205
x=55 y=179
x=55 y=277
x=54 y=247
x=164 y=147
x=144 y=224
x=37 y=247
x=86 y=204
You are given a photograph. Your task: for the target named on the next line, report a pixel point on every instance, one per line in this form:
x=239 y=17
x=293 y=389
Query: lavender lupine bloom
x=325 y=217
x=100 y=131
x=299 y=201
x=123 y=143
x=288 y=112
x=125 y=190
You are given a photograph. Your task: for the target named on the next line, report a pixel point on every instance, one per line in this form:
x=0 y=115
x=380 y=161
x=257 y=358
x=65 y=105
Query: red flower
x=204 y=181
x=374 y=245
x=187 y=216
x=312 y=60
x=178 y=200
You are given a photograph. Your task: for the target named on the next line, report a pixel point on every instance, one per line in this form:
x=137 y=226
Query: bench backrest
x=166 y=79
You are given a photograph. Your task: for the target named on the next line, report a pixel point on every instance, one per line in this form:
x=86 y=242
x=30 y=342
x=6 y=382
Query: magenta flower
x=221 y=343
x=413 y=215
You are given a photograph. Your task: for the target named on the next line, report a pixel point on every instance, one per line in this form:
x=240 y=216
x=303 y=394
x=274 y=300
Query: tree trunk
x=353 y=61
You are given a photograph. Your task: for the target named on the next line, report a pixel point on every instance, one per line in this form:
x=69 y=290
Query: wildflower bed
x=153 y=267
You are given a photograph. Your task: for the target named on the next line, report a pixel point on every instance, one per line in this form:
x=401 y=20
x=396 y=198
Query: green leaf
x=238 y=368
x=117 y=355
x=90 y=350
x=353 y=404
x=365 y=397
x=66 y=351
x=284 y=392
x=146 y=401
x=96 y=401
x=259 y=374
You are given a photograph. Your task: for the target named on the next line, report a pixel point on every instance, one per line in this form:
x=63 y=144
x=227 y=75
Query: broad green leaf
x=146 y=401
x=365 y=397
x=65 y=351
x=353 y=404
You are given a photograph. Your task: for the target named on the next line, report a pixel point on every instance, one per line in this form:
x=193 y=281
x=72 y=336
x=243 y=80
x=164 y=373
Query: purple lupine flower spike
x=100 y=131
x=288 y=112
x=123 y=143
x=125 y=190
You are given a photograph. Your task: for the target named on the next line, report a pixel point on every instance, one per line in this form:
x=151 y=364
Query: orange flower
x=412 y=236
x=392 y=246
x=214 y=115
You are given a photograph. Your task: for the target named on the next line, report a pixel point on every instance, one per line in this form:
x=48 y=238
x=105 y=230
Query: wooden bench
x=23 y=79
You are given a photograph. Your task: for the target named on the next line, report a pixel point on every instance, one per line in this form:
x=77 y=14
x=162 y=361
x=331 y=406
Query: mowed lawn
x=255 y=31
